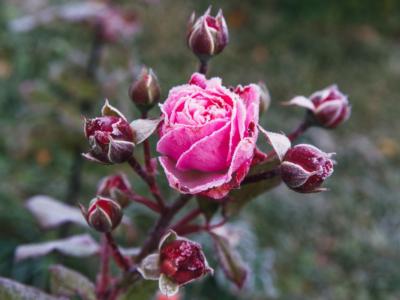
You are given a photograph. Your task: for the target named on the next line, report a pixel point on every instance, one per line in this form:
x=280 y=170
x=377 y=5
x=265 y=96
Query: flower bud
x=331 y=107
x=182 y=261
x=145 y=91
x=103 y=214
x=207 y=35
x=111 y=138
x=116 y=187
x=305 y=168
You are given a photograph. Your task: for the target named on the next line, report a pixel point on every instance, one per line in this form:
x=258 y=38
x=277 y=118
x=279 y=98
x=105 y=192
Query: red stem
x=119 y=259
x=203 y=66
x=186 y=219
x=145 y=201
x=261 y=176
x=147 y=152
x=299 y=130
x=103 y=280
x=150 y=180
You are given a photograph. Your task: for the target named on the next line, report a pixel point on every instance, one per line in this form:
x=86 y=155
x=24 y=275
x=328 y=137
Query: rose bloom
x=208 y=136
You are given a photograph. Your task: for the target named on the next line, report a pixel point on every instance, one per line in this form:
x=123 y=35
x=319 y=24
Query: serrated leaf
x=144 y=128
x=230 y=260
x=167 y=287
x=79 y=246
x=142 y=290
x=51 y=213
x=12 y=290
x=149 y=268
x=240 y=197
x=69 y=283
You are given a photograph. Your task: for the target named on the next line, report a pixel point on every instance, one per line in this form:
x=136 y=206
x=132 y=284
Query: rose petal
x=199 y=80
x=177 y=141
x=208 y=154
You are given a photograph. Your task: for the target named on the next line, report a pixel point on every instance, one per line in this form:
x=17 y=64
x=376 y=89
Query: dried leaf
x=12 y=290
x=78 y=245
x=51 y=213
x=301 y=101
x=230 y=260
x=144 y=128
x=69 y=283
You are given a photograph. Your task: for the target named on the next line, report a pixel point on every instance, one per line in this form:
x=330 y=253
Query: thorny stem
x=119 y=259
x=149 y=180
x=103 y=279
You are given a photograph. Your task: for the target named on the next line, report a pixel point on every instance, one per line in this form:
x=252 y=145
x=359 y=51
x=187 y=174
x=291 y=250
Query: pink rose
x=208 y=136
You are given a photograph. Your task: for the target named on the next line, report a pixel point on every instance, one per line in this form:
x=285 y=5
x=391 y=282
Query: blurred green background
x=343 y=244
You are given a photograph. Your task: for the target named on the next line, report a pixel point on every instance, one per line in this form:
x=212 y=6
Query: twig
x=261 y=176
x=145 y=201
x=299 y=130
x=119 y=259
x=186 y=219
x=103 y=278
x=203 y=66
x=149 y=180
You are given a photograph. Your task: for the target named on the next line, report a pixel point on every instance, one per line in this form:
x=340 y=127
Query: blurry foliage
x=343 y=244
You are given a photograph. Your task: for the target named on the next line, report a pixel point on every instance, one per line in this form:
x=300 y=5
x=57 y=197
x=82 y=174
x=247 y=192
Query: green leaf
x=240 y=197
x=167 y=286
x=230 y=260
x=69 y=283
x=142 y=290
x=12 y=290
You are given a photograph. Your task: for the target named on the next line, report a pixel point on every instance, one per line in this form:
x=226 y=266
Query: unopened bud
x=207 y=35
x=145 y=91
x=111 y=138
x=331 y=107
x=182 y=261
x=116 y=187
x=305 y=168
x=103 y=214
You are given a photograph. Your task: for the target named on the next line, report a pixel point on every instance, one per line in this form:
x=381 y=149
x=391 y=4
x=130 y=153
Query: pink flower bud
x=331 y=107
x=182 y=261
x=207 y=35
x=305 y=168
x=145 y=91
x=116 y=187
x=103 y=214
x=110 y=139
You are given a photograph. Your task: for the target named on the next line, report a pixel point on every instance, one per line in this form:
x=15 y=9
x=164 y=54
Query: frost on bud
x=305 y=168
x=116 y=187
x=182 y=260
x=103 y=214
x=111 y=138
x=207 y=35
x=145 y=91
x=327 y=108
x=331 y=107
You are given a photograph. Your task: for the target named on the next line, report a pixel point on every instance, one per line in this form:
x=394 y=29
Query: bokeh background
x=342 y=244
